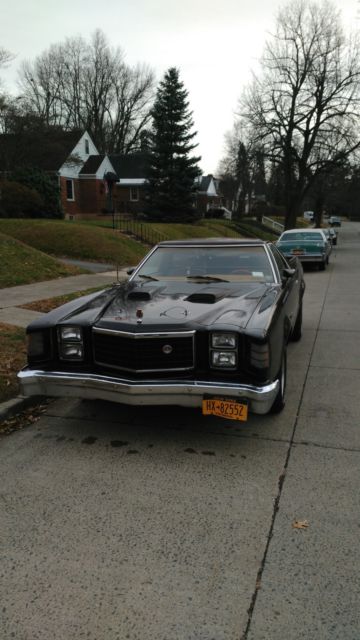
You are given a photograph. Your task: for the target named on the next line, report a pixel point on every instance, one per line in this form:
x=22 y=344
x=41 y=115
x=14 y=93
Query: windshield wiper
x=206 y=278
x=147 y=277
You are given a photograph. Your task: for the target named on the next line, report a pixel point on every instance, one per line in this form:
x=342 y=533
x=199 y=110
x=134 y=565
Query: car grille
x=143 y=352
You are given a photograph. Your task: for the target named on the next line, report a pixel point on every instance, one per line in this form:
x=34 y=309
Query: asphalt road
x=159 y=524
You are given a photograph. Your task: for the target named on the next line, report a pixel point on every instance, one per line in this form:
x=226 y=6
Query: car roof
x=312 y=230
x=205 y=242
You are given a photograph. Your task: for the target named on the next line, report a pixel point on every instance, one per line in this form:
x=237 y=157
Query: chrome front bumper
x=184 y=393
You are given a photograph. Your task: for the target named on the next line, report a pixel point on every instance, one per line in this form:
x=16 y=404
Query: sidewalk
x=12 y=298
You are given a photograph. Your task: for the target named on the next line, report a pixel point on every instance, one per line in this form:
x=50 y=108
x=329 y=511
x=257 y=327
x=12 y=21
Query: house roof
x=204 y=183
x=135 y=165
x=92 y=164
x=45 y=149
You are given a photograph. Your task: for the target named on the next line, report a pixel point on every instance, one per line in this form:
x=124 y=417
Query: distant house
x=207 y=195
x=92 y=183
x=81 y=178
x=130 y=190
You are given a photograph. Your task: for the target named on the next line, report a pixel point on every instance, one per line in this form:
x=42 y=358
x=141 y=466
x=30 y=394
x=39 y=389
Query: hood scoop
x=139 y=295
x=204 y=298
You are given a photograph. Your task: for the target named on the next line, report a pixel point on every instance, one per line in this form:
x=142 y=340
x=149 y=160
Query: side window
x=279 y=258
x=70 y=190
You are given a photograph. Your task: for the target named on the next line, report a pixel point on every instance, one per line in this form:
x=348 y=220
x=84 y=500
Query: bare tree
x=5 y=57
x=243 y=166
x=80 y=85
x=303 y=107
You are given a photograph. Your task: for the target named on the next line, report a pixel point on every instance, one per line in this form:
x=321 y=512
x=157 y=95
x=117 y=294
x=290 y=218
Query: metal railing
x=269 y=222
x=139 y=230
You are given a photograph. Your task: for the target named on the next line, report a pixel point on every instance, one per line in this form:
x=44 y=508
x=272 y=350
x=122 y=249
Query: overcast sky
x=215 y=44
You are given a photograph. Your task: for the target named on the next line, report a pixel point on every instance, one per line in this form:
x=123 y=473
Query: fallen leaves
x=24 y=419
x=300 y=524
x=13 y=358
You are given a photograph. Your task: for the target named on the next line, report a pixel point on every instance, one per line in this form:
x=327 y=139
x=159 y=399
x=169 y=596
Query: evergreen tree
x=173 y=170
x=243 y=178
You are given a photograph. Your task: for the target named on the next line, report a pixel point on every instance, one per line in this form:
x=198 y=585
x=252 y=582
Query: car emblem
x=167 y=349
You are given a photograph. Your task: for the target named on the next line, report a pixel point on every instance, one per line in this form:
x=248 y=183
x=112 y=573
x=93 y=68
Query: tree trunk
x=293 y=209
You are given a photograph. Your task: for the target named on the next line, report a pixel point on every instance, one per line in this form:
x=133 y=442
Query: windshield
x=207 y=264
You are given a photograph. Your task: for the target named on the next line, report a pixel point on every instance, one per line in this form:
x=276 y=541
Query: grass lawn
x=13 y=358
x=21 y=264
x=74 y=240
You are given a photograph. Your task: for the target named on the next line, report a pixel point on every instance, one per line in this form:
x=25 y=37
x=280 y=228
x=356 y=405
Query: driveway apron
x=160 y=524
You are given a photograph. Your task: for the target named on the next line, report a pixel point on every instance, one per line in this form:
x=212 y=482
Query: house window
x=134 y=194
x=87 y=149
x=70 y=190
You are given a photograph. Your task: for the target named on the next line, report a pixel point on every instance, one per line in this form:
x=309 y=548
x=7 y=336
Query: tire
x=322 y=266
x=279 y=402
x=297 y=330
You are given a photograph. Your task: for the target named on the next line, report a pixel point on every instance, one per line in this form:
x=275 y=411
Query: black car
x=199 y=323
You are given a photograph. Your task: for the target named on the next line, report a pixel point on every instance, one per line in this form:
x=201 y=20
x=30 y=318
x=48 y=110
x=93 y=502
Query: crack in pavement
x=282 y=478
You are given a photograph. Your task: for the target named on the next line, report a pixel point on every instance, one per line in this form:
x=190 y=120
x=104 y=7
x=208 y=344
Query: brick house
x=91 y=183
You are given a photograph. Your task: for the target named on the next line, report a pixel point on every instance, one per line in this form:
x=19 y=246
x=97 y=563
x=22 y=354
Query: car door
x=292 y=285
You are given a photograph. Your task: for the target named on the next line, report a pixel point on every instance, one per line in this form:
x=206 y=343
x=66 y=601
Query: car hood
x=161 y=306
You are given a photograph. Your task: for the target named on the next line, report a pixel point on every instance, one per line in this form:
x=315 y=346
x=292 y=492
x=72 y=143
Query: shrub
x=18 y=201
x=46 y=186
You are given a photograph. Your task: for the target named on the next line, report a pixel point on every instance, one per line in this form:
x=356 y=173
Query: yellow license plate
x=230 y=409
x=298 y=252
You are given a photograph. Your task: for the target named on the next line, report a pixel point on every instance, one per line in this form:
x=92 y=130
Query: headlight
x=72 y=351
x=70 y=333
x=224 y=340
x=224 y=359
x=71 y=345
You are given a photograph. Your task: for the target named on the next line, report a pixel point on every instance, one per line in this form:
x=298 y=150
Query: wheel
x=322 y=266
x=279 y=402
x=297 y=330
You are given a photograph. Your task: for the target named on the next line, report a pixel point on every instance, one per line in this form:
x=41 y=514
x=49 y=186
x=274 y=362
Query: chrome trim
x=185 y=393
x=113 y=366
x=152 y=334
x=277 y=278
x=307 y=257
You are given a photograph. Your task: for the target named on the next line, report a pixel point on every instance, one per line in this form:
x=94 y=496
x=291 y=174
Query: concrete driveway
x=159 y=524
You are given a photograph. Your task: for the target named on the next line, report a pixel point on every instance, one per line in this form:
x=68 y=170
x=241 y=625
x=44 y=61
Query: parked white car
x=309 y=215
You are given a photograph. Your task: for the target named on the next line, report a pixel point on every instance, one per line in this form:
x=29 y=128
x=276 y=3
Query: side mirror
x=286 y=274
x=130 y=270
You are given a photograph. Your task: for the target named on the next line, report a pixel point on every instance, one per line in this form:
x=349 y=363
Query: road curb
x=12 y=407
